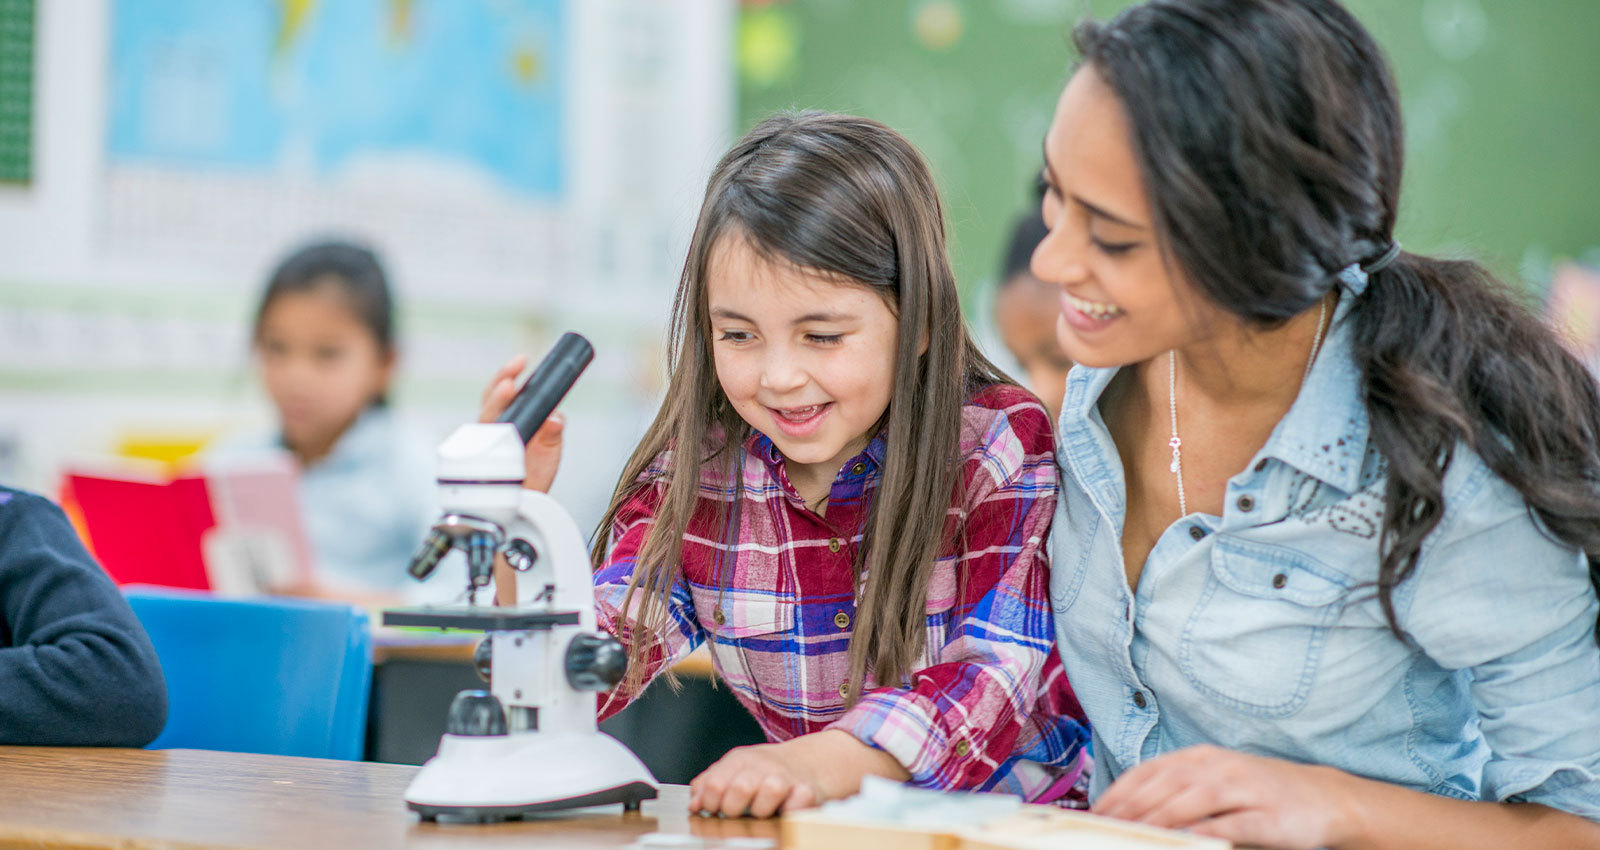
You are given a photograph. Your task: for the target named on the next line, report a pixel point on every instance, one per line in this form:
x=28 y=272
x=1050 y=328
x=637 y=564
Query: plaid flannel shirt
x=988 y=707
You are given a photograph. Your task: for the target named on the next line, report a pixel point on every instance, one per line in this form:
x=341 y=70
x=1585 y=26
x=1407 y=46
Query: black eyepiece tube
x=548 y=384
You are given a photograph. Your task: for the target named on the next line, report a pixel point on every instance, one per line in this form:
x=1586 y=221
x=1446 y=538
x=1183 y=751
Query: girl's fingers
x=497 y=398
x=770 y=795
x=801 y=797
x=740 y=792
x=542 y=457
x=706 y=790
x=508 y=372
x=694 y=797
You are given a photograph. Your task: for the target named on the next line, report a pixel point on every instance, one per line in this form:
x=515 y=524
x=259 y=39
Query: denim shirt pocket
x=1256 y=634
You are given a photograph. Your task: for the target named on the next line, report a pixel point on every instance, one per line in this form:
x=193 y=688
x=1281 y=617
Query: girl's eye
x=825 y=339
x=1114 y=249
x=735 y=336
x=1042 y=186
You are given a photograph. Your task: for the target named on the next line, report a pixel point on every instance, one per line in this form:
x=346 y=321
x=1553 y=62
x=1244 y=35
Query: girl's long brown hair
x=852 y=199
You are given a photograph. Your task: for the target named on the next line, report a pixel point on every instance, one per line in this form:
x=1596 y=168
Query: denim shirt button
x=1139 y=700
x=1197 y=532
x=1279 y=580
x=1246 y=504
x=1261 y=466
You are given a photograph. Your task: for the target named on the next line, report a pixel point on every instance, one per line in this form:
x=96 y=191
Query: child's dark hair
x=850 y=199
x=1268 y=134
x=352 y=270
x=1026 y=234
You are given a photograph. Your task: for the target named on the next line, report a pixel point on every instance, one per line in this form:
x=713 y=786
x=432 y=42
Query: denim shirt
x=1260 y=630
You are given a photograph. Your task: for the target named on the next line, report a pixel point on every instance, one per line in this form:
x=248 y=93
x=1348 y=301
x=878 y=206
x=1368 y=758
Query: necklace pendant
x=1174 y=467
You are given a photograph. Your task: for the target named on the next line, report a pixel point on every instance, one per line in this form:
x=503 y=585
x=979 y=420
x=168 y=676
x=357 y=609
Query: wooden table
x=184 y=799
x=456 y=647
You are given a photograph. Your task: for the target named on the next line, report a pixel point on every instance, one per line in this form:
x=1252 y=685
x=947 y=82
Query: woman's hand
x=1243 y=798
x=543 y=454
x=766 y=779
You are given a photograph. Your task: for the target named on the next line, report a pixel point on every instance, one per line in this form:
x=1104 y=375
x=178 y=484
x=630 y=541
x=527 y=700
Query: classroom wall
x=125 y=294
x=181 y=146
x=1500 y=97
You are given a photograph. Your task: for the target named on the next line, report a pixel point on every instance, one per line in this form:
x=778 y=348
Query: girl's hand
x=543 y=454
x=766 y=779
x=1243 y=798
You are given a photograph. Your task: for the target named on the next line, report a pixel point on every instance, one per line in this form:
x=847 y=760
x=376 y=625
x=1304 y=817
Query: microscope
x=529 y=744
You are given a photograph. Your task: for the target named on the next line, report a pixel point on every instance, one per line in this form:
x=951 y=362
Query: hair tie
x=1383 y=262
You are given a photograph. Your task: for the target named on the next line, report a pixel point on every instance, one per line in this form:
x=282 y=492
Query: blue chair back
x=281 y=676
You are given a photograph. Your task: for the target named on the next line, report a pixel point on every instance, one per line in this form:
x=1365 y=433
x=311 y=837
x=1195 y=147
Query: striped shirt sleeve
x=961 y=718
x=663 y=647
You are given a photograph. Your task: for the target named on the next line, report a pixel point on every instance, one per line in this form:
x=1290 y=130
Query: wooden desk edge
x=697 y=665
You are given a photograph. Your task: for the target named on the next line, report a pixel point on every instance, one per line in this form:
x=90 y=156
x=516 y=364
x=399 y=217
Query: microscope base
x=504 y=777
x=630 y=796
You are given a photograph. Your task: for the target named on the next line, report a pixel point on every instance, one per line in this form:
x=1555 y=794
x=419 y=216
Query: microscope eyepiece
x=548 y=384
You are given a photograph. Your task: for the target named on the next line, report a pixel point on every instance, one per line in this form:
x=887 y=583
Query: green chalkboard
x=16 y=91
x=1502 y=101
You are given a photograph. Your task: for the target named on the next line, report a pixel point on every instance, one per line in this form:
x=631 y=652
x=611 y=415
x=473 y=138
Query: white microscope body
x=531 y=744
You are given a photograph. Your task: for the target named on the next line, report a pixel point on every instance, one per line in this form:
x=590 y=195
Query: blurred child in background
x=324 y=345
x=1026 y=311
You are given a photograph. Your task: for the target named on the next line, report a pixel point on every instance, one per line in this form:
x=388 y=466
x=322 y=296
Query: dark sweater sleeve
x=76 y=668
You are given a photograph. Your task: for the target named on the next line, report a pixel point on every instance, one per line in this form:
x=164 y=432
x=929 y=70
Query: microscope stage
x=479 y=618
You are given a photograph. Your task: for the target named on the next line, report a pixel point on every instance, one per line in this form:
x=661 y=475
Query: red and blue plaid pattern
x=989 y=707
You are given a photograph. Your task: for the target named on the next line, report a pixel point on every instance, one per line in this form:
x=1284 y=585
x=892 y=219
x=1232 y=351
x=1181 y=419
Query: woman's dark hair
x=1269 y=137
x=852 y=200
x=351 y=270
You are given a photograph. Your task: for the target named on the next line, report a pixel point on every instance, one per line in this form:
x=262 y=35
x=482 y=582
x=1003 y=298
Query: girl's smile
x=800 y=422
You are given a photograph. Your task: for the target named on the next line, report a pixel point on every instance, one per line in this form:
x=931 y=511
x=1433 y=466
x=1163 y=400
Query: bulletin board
x=16 y=91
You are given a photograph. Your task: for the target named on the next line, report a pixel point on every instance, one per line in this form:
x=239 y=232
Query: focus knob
x=476 y=714
x=595 y=662
x=483 y=659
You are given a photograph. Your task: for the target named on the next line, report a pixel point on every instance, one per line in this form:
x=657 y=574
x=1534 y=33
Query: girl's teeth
x=801 y=412
x=1094 y=309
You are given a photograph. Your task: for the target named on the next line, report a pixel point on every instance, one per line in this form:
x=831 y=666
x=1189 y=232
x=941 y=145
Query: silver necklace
x=1172 y=404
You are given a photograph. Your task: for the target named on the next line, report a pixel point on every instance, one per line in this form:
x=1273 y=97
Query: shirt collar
x=1325 y=432
x=760 y=446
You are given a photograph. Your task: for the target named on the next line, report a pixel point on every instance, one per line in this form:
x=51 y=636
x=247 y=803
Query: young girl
x=324 y=340
x=1325 y=558
x=840 y=493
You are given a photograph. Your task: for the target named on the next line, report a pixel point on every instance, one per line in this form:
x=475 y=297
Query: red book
x=230 y=529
